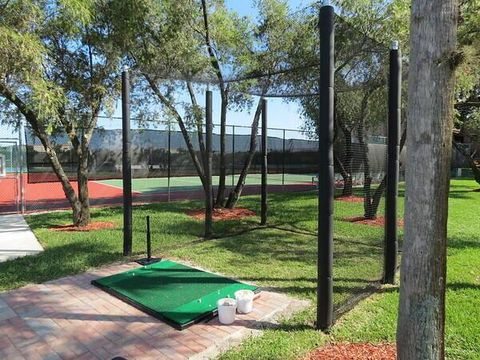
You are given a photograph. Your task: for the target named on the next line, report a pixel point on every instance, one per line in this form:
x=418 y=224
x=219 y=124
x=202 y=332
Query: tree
x=360 y=80
x=433 y=59
x=60 y=74
x=278 y=37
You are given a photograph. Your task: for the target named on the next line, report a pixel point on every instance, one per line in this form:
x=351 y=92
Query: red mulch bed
x=96 y=225
x=378 y=221
x=222 y=214
x=349 y=351
x=351 y=198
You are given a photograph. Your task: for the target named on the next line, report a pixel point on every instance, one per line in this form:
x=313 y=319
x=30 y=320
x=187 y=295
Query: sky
x=281 y=114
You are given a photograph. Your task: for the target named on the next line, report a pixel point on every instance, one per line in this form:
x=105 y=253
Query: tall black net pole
x=233 y=155
x=263 y=220
x=126 y=165
x=208 y=167
x=21 y=159
x=325 y=173
x=394 y=115
x=169 y=161
x=283 y=158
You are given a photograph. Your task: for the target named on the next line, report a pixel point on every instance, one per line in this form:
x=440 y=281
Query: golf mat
x=178 y=294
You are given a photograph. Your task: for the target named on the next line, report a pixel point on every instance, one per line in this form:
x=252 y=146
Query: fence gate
x=11 y=178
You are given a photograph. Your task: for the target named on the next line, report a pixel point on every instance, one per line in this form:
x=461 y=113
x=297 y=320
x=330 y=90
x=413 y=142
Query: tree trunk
x=60 y=173
x=369 y=212
x=237 y=191
x=198 y=121
x=40 y=132
x=474 y=164
x=82 y=177
x=214 y=61
x=183 y=129
x=223 y=167
x=420 y=331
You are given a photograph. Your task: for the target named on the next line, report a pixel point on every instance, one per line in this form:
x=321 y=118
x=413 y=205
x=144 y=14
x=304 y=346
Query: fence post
x=208 y=167
x=169 y=160
x=233 y=155
x=263 y=220
x=325 y=174
x=21 y=159
x=393 y=148
x=283 y=158
x=126 y=165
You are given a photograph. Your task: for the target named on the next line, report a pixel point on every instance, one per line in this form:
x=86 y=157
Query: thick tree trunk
x=60 y=173
x=237 y=191
x=420 y=332
x=82 y=177
x=40 y=132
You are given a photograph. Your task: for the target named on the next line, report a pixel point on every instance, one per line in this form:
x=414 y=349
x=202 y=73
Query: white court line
x=114 y=186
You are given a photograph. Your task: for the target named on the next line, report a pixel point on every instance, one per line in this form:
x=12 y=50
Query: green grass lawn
x=282 y=258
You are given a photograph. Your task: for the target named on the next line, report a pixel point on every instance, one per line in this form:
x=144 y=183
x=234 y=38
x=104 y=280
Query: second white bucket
x=244 y=301
x=226 y=310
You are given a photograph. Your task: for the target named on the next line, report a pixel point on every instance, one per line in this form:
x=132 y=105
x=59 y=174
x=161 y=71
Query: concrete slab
x=16 y=238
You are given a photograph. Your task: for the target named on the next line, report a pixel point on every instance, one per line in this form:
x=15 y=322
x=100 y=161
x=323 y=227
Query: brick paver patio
x=68 y=318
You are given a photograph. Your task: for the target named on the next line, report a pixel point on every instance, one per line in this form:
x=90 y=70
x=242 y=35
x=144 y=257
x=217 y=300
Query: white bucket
x=244 y=301
x=226 y=310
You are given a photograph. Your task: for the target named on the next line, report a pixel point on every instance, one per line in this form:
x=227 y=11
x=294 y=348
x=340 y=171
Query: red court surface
x=44 y=196
x=50 y=195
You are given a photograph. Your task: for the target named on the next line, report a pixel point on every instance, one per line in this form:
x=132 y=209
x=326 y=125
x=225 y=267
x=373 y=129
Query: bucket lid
x=226 y=302
x=244 y=294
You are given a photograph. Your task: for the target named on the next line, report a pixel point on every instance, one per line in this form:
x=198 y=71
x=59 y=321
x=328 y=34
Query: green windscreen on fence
x=175 y=293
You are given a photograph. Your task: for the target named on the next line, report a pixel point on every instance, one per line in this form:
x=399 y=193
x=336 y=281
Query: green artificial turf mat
x=173 y=292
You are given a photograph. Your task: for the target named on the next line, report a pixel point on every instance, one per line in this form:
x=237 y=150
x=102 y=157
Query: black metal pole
x=283 y=158
x=169 y=161
x=20 y=156
x=394 y=115
x=126 y=165
x=233 y=155
x=325 y=173
x=149 y=240
x=263 y=220
x=208 y=167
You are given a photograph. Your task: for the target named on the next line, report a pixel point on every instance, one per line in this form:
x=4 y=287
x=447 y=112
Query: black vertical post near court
x=169 y=160
x=149 y=240
x=393 y=148
x=283 y=158
x=263 y=220
x=233 y=155
x=208 y=166
x=126 y=165
x=325 y=171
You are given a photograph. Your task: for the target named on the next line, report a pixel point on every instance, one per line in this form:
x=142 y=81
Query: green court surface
x=178 y=294
x=188 y=183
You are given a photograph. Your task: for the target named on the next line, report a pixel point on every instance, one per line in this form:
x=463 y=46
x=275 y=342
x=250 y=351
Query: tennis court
x=44 y=196
x=192 y=183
